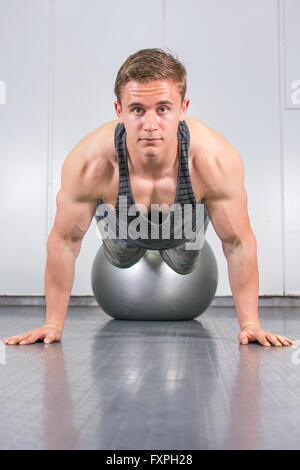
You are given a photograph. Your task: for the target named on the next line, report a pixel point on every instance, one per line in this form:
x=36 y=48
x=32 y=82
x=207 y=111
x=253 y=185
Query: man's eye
x=162 y=107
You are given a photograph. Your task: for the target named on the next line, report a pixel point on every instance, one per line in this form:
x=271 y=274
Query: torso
x=201 y=162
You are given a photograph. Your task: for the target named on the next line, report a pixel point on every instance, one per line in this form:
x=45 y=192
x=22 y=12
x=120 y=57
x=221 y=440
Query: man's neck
x=153 y=166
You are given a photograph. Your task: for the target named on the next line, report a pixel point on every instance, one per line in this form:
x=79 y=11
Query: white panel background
x=231 y=51
x=59 y=60
x=290 y=32
x=92 y=40
x=24 y=67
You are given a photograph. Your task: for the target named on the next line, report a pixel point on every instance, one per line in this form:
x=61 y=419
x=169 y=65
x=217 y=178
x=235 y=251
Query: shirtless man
x=152 y=108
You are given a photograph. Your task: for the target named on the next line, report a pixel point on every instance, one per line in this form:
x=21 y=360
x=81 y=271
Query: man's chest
x=145 y=191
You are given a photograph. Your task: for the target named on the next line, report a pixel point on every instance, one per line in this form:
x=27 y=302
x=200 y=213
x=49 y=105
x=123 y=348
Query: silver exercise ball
x=151 y=290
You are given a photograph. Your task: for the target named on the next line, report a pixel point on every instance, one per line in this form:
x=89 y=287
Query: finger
x=16 y=339
x=263 y=340
x=283 y=340
x=49 y=339
x=28 y=340
x=290 y=341
x=33 y=338
x=273 y=339
x=6 y=340
x=243 y=337
x=244 y=341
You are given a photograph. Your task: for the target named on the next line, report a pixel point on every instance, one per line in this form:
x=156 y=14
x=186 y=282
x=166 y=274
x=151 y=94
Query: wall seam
x=50 y=121
x=163 y=23
x=281 y=89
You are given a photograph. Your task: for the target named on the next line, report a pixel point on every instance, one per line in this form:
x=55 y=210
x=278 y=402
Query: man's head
x=150 y=88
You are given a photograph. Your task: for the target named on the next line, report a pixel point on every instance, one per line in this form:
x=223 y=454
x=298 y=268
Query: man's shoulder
x=204 y=141
x=91 y=160
x=215 y=159
x=100 y=141
x=95 y=148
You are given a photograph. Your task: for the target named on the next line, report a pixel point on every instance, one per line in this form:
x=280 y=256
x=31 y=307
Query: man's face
x=151 y=111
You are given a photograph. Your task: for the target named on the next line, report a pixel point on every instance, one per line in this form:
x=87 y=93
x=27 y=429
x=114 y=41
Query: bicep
x=229 y=216
x=73 y=217
x=227 y=203
x=75 y=201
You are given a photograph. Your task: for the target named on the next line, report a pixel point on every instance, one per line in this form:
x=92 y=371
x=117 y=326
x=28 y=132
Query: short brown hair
x=147 y=65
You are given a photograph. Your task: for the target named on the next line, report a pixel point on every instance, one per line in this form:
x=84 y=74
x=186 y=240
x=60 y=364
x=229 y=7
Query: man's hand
x=44 y=333
x=252 y=334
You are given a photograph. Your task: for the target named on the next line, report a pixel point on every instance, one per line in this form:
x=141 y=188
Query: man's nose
x=150 y=123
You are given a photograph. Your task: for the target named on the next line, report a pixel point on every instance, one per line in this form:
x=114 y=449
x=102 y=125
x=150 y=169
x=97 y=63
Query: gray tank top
x=182 y=222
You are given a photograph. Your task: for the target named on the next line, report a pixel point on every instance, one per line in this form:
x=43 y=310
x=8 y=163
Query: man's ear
x=118 y=109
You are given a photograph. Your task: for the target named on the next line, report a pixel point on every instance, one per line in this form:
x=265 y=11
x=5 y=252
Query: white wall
x=58 y=62
x=24 y=68
x=290 y=120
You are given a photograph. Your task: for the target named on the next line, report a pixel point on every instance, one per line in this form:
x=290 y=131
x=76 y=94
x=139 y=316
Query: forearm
x=59 y=278
x=244 y=280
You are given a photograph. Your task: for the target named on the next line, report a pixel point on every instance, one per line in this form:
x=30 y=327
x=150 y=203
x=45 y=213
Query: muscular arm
x=73 y=218
x=227 y=207
x=84 y=175
x=83 y=171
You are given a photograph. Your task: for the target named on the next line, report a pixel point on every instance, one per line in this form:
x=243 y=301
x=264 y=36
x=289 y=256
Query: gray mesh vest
x=182 y=223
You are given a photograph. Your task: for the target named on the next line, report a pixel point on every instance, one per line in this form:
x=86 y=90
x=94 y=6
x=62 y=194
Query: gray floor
x=113 y=384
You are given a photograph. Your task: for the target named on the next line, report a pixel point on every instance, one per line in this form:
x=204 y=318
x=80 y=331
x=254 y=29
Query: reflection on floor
x=115 y=384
